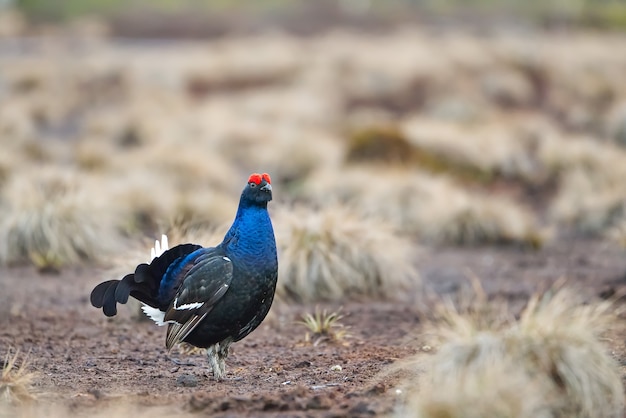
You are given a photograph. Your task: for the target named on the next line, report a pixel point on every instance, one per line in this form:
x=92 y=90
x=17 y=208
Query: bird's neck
x=251 y=235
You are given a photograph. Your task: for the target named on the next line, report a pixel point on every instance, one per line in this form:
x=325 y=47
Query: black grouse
x=208 y=297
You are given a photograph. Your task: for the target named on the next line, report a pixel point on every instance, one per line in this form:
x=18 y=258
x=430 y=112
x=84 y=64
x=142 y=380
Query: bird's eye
x=252 y=185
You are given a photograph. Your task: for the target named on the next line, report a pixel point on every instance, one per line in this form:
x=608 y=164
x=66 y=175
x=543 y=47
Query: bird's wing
x=204 y=285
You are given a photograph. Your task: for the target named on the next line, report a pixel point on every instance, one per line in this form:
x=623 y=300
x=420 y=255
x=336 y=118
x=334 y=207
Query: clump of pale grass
x=558 y=336
x=17 y=129
x=432 y=207
x=15 y=381
x=323 y=326
x=48 y=219
x=617 y=233
x=554 y=351
x=6 y=166
x=20 y=136
x=188 y=164
x=508 y=87
x=203 y=208
x=498 y=390
x=334 y=253
x=616 y=123
x=491 y=149
x=591 y=193
x=229 y=66
x=151 y=197
x=45 y=87
x=282 y=149
x=96 y=153
x=379 y=143
x=141 y=206
x=291 y=155
x=399 y=78
x=588 y=202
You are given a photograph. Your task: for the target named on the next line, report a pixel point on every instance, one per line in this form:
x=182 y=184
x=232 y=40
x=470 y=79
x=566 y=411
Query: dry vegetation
x=47 y=220
x=324 y=327
x=498 y=390
x=332 y=254
x=551 y=362
x=162 y=137
x=16 y=382
x=429 y=207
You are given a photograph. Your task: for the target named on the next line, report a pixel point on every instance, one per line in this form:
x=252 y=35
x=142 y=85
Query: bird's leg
x=222 y=353
x=217 y=354
x=214 y=360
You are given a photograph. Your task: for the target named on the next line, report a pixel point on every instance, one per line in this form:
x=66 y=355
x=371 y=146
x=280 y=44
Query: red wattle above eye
x=255 y=178
x=267 y=178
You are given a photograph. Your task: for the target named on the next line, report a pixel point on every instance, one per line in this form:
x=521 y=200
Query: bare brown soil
x=88 y=363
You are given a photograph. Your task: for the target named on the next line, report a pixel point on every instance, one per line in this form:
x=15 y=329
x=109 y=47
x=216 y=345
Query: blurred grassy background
x=305 y=16
x=459 y=123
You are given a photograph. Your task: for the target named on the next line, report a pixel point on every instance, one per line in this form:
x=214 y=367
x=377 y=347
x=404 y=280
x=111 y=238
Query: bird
x=209 y=297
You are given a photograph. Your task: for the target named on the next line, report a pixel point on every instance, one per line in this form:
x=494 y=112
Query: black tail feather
x=123 y=289
x=143 y=285
x=109 y=306
x=108 y=294
x=97 y=294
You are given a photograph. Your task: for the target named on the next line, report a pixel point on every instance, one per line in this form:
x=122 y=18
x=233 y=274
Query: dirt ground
x=89 y=364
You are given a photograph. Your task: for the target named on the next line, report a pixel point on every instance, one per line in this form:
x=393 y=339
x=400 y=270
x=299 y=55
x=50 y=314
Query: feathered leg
x=223 y=353
x=214 y=361
x=217 y=354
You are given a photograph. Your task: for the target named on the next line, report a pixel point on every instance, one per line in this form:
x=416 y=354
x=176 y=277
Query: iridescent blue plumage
x=172 y=278
x=214 y=296
x=250 y=239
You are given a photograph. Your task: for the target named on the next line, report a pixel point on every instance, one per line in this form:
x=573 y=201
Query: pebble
x=187 y=380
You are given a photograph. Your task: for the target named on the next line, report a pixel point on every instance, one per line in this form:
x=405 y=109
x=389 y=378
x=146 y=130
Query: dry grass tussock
x=17 y=129
x=617 y=234
x=378 y=143
x=549 y=363
x=334 y=253
x=166 y=181
x=44 y=87
x=432 y=207
x=188 y=163
x=49 y=220
x=493 y=149
x=592 y=191
x=499 y=390
x=229 y=63
x=285 y=151
x=20 y=139
x=146 y=199
x=419 y=66
x=324 y=327
x=15 y=381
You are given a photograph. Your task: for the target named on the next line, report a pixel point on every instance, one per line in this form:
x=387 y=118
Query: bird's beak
x=267 y=187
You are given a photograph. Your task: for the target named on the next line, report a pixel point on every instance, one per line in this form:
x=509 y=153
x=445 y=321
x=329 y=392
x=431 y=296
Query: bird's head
x=259 y=189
